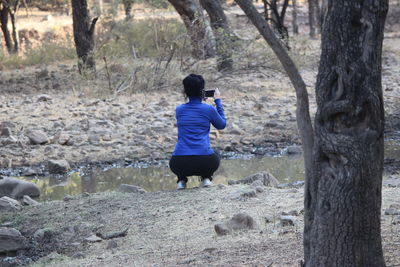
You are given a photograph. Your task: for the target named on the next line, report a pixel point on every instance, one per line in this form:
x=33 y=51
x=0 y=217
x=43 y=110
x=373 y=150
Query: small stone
x=9 y=204
x=58 y=166
x=67 y=198
x=79 y=255
x=112 y=244
x=11 y=240
x=294 y=150
x=6 y=131
x=43 y=98
x=240 y=221
x=93 y=238
x=269 y=219
x=126 y=188
x=287 y=220
x=27 y=201
x=37 y=137
x=392 y=183
x=41 y=234
x=221 y=186
x=221 y=229
x=266 y=178
x=392 y=211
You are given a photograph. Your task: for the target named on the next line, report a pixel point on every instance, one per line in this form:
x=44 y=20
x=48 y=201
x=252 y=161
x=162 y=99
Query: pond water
x=285 y=168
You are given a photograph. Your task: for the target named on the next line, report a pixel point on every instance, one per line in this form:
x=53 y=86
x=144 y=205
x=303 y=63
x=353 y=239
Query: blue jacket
x=193 y=121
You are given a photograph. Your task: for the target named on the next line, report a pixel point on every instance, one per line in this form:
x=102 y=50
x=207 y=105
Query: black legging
x=198 y=165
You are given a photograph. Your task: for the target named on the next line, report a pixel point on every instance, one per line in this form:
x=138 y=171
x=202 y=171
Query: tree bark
x=222 y=33
x=302 y=106
x=196 y=26
x=343 y=197
x=311 y=17
x=4 y=27
x=294 y=18
x=84 y=29
x=128 y=9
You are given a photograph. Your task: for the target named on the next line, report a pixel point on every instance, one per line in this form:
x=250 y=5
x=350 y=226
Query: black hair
x=194 y=85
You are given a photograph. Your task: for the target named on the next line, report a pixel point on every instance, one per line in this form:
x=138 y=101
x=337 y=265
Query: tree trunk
x=14 y=25
x=196 y=26
x=343 y=197
x=4 y=28
x=311 y=17
x=128 y=9
x=222 y=33
x=302 y=107
x=84 y=29
x=294 y=18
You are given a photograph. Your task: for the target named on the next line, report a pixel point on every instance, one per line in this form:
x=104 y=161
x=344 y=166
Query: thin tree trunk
x=302 y=108
x=84 y=29
x=294 y=18
x=343 y=197
x=4 y=28
x=311 y=18
x=196 y=26
x=128 y=9
x=222 y=33
x=12 y=12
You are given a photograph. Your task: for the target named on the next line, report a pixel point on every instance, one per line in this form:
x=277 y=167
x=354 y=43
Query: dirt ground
x=176 y=228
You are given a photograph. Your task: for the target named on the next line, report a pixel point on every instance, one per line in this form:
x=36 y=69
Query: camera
x=209 y=93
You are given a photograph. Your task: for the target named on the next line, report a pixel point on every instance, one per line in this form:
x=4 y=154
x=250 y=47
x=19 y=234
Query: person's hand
x=217 y=94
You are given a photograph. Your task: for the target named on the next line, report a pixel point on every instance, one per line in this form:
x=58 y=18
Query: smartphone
x=209 y=93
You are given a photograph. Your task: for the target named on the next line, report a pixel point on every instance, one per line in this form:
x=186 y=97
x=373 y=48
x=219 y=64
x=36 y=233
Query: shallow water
x=285 y=168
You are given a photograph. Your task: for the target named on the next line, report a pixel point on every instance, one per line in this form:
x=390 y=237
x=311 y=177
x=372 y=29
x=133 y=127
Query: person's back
x=193 y=154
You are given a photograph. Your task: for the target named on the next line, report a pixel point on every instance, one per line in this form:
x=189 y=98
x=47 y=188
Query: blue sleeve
x=217 y=116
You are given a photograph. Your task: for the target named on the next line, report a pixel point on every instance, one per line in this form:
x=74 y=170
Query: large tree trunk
x=84 y=29
x=196 y=26
x=302 y=107
x=222 y=33
x=343 y=199
x=311 y=17
x=4 y=28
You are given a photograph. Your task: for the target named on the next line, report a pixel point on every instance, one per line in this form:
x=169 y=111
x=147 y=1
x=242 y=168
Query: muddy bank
x=173 y=228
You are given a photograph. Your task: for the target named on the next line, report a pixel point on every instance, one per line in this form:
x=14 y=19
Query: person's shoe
x=181 y=185
x=206 y=182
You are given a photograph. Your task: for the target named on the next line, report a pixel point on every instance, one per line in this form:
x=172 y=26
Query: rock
x=58 y=166
x=221 y=229
x=42 y=234
x=68 y=198
x=15 y=261
x=234 y=129
x=287 y=220
x=396 y=220
x=16 y=188
x=79 y=255
x=392 y=183
x=291 y=184
x=266 y=178
x=9 y=204
x=37 y=137
x=221 y=186
x=126 y=188
x=240 y=221
x=61 y=138
x=6 y=131
x=269 y=219
x=9 y=141
x=294 y=150
x=43 y=98
x=11 y=240
x=27 y=201
x=93 y=239
x=112 y=244
x=392 y=211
